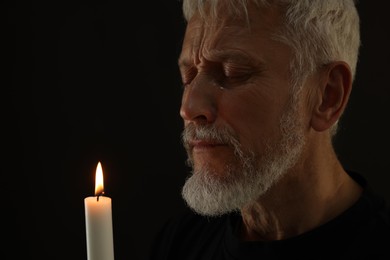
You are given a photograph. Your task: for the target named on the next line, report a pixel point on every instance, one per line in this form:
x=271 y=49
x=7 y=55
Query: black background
x=99 y=82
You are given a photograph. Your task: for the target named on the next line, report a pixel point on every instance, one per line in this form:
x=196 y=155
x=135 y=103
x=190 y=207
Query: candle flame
x=99 y=188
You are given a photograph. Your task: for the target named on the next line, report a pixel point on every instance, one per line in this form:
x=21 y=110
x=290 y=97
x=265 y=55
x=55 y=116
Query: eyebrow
x=228 y=55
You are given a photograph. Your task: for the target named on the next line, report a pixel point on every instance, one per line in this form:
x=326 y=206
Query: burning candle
x=98 y=222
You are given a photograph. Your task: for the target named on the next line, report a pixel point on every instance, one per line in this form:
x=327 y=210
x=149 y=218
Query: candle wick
x=100 y=194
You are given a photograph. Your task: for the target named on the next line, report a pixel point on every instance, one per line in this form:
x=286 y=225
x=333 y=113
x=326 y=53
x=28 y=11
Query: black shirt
x=361 y=232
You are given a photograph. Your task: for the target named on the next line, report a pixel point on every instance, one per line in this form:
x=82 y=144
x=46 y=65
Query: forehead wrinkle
x=191 y=45
x=206 y=39
x=215 y=44
x=205 y=34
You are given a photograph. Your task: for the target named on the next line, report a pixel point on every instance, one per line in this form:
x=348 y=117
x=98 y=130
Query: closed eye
x=236 y=74
x=188 y=73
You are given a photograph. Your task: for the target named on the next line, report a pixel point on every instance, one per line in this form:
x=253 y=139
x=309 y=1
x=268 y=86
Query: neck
x=302 y=200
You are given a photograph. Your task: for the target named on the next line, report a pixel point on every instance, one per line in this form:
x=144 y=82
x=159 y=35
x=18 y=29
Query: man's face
x=242 y=130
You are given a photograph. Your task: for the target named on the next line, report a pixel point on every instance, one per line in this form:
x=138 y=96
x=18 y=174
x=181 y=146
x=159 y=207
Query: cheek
x=254 y=118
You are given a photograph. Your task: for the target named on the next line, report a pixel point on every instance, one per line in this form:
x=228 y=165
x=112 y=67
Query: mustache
x=224 y=135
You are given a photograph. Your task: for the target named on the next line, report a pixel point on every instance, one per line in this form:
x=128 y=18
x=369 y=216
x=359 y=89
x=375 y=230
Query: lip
x=202 y=144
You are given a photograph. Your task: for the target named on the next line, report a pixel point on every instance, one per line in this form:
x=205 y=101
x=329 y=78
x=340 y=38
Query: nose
x=199 y=101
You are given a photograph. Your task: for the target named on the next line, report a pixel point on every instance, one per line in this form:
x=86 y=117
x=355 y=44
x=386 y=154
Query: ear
x=335 y=88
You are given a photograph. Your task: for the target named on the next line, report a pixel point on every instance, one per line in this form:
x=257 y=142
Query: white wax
x=98 y=222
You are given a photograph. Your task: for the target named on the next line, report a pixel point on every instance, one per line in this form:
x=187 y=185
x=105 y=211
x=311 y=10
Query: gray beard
x=246 y=179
